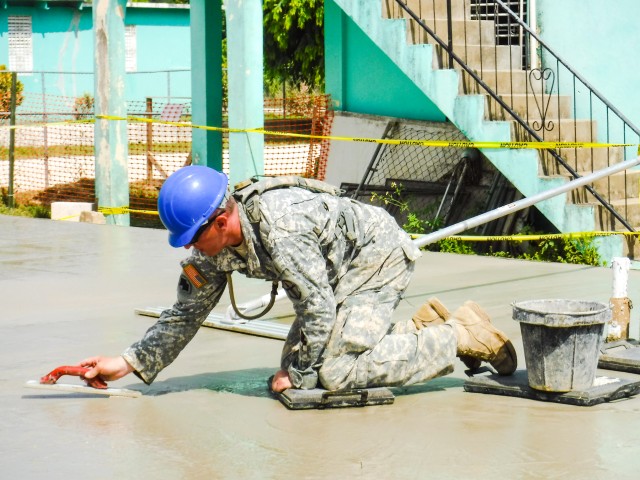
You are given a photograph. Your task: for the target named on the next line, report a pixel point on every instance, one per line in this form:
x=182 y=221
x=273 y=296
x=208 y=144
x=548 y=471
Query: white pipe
x=231 y=316
x=522 y=204
x=620 y=267
x=618 y=326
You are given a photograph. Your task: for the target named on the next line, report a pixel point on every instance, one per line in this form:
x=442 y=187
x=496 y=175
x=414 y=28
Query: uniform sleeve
x=304 y=275
x=197 y=296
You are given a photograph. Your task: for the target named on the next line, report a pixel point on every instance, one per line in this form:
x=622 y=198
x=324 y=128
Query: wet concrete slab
x=69 y=290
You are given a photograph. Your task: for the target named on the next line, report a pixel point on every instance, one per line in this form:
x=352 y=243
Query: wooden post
x=12 y=137
x=111 y=142
x=149 y=140
x=206 y=81
x=246 y=88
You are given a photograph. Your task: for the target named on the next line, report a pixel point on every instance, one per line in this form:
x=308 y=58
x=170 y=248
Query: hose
x=274 y=294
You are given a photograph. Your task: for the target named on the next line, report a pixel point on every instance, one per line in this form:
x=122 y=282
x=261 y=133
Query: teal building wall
x=360 y=78
x=596 y=38
x=599 y=39
x=63 y=42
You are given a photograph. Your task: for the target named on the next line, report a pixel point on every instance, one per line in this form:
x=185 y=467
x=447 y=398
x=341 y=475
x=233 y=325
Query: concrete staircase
x=480 y=118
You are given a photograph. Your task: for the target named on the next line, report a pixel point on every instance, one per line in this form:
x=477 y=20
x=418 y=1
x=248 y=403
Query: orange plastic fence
x=54 y=160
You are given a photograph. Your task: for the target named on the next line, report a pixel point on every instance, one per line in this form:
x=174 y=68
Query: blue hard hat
x=188 y=198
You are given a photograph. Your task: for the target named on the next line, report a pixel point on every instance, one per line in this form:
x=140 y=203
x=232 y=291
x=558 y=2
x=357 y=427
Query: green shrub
x=564 y=250
x=5 y=92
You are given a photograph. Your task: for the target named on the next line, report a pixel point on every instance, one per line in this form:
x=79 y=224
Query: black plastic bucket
x=561 y=340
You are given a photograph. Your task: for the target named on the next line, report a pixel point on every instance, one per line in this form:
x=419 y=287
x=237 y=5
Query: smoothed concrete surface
x=69 y=291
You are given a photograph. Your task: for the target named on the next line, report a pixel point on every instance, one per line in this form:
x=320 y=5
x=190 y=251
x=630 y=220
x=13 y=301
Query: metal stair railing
x=541 y=78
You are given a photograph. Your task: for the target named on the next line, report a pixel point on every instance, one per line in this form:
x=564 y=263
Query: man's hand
x=109 y=368
x=281 y=381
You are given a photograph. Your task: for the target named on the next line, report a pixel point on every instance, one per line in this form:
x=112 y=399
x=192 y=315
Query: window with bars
x=130 y=47
x=508 y=31
x=20 y=43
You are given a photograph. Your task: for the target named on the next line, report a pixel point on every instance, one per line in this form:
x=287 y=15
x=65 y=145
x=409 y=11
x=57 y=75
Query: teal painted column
x=206 y=81
x=334 y=30
x=245 y=78
x=111 y=144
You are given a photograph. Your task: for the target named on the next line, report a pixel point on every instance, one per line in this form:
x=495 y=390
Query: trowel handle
x=53 y=376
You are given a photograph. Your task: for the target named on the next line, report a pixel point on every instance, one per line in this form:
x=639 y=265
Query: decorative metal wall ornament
x=543 y=76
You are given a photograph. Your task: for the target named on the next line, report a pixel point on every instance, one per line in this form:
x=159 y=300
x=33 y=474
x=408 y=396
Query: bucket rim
x=604 y=308
x=532 y=312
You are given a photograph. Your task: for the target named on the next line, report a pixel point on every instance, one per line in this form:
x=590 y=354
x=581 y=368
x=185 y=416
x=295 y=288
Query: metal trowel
x=94 y=386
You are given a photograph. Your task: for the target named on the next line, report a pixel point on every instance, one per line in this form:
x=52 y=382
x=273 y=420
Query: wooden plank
x=260 y=328
x=605 y=389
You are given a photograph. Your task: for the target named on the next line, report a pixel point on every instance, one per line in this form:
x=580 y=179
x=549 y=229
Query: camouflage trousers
x=366 y=350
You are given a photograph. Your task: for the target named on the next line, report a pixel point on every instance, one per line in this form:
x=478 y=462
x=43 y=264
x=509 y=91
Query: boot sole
x=505 y=360
x=508 y=365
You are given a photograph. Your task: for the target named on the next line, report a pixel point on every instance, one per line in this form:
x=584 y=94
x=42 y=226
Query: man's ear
x=222 y=220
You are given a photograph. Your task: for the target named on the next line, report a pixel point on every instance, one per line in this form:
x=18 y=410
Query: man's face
x=211 y=239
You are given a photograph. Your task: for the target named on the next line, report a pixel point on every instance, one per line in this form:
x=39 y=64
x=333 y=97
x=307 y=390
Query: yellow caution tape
x=67 y=218
x=463 y=238
x=527 y=238
x=124 y=210
x=388 y=141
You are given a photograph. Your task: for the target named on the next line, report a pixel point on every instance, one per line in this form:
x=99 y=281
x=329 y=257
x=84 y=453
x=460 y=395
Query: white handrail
x=521 y=204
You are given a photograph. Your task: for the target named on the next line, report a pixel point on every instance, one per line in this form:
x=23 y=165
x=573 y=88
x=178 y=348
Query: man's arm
x=304 y=274
x=199 y=291
x=198 y=294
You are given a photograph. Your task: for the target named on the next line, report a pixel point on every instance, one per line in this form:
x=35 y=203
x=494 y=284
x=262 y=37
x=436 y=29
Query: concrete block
x=69 y=211
x=93 y=217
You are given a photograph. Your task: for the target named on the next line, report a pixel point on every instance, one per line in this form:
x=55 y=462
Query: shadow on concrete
x=253 y=383
x=435 y=385
x=250 y=382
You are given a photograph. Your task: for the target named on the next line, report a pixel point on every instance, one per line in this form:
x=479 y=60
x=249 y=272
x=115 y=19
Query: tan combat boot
x=479 y=339
x=433 y=312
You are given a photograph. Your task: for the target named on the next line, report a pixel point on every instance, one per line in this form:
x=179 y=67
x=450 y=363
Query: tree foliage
x=294 y=42
x=5 y=92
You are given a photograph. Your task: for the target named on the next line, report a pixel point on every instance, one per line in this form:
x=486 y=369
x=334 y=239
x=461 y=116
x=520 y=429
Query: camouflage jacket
x=304 y=239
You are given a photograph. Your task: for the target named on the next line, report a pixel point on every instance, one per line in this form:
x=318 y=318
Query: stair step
x=631 y=247
x=475 y=32
x=582 y=159
x=529 y=107
x=485 y=58
x=502 y=82
x=563 y=130
x=428 y=9
x=618 y=186
x=628 y=208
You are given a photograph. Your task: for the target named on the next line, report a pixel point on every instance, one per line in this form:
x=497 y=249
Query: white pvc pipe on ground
x=618 y=327
x=620 y=267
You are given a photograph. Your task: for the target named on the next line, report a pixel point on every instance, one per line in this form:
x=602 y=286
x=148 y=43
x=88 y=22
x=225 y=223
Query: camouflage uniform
x=343 y=264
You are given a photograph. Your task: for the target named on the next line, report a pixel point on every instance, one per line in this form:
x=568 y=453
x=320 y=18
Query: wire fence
x=54 y=160
x=426 y=189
